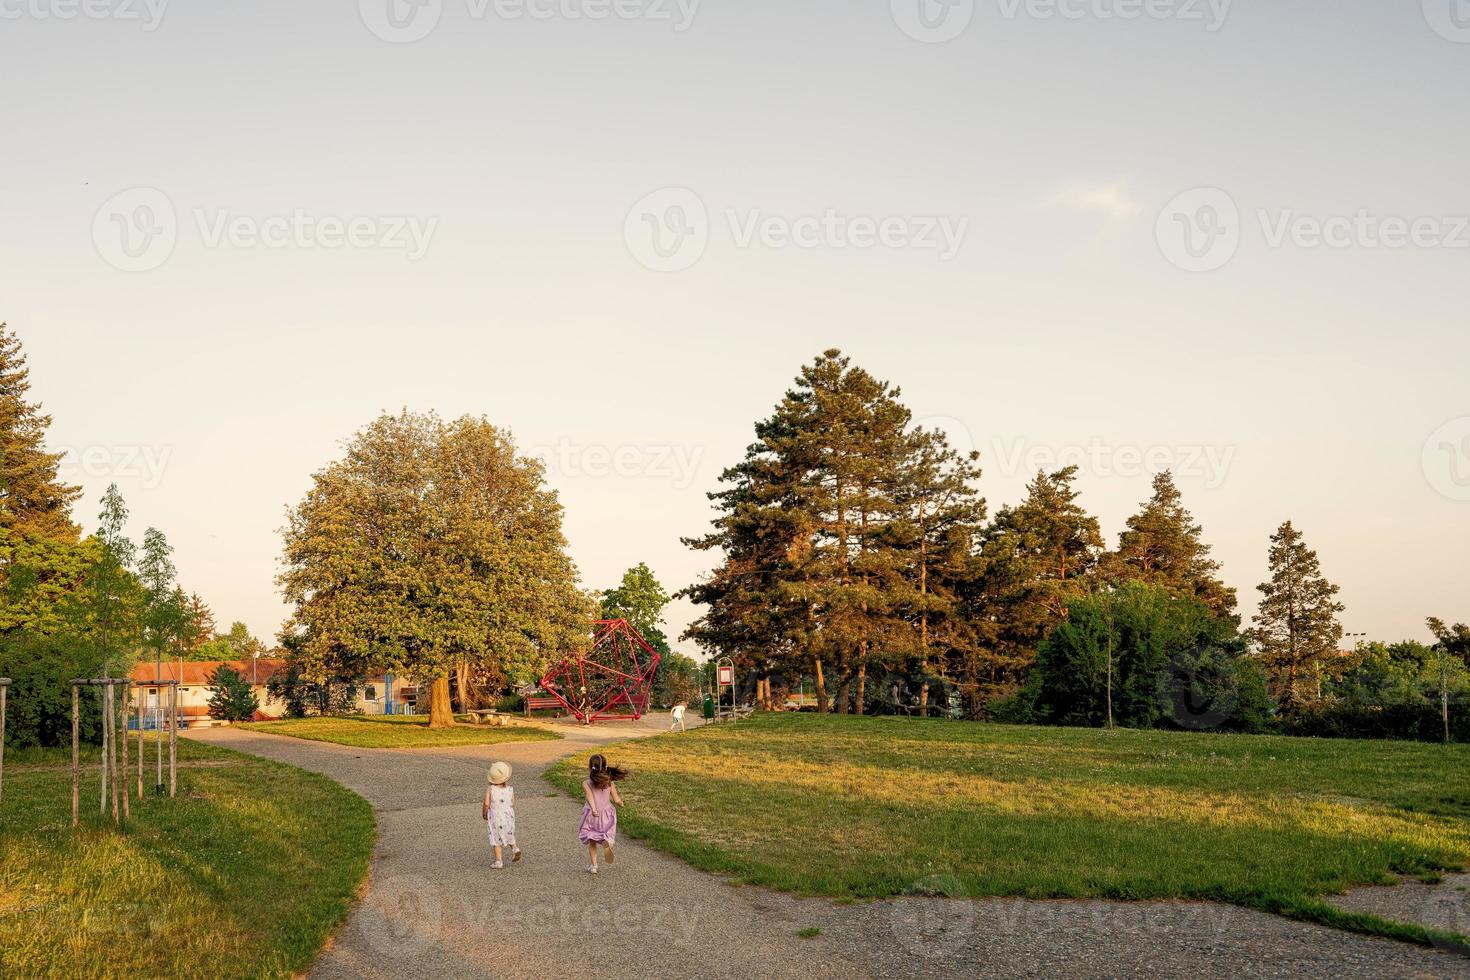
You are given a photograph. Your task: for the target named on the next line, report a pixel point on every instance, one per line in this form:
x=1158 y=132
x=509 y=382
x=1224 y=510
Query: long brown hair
x=601 y=775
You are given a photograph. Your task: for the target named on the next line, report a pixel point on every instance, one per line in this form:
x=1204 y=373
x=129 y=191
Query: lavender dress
x=603 y=828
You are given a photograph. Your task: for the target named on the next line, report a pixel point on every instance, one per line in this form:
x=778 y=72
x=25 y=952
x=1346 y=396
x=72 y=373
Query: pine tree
x=33 y=500
x=1035 y=559
x=201 y=624
x=1296 y=628
x=833 y=530
x=230 y=696
x=1163 y=545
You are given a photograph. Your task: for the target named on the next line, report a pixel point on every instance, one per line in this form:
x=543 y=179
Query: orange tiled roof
x=196 y=673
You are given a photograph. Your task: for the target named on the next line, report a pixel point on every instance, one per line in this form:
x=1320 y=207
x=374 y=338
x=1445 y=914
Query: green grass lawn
x=245 y=873
x=867 y=807
x=396 y=732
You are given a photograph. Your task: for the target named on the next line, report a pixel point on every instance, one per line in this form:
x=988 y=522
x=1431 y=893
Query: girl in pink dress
x=599 y=818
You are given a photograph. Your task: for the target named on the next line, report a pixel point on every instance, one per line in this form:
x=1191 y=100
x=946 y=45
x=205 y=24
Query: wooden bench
x=538 y=704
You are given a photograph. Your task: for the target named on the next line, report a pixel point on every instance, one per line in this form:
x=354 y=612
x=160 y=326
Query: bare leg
x=497 y=856
x=592 y=855
x=607 y=851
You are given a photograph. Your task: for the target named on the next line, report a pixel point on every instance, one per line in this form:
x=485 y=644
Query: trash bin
x=709 y=708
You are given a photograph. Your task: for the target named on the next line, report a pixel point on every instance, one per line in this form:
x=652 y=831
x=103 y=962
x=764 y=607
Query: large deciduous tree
x=1296 y=627
x=430 y=548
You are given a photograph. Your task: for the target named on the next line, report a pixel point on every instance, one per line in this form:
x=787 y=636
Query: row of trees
x=74 y=606
x=852 y=542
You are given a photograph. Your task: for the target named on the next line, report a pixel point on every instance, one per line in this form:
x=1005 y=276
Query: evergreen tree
x=834 y=530
x=1296 y=628
x=230 y=696
x=1035 y=560
x=1163 y=545
x=640 y=599
x=33 y=500
x=201 y=624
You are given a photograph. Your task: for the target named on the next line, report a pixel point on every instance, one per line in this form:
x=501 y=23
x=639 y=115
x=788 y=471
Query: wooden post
x=76 y=755
x=102 y=764
x=122 y=772
x=111 y=724
x=158 y=736
x=4 y=686
x=173 y=739
x=142 y=696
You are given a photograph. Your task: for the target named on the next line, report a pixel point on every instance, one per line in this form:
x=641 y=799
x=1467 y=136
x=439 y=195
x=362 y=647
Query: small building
x=373 y=694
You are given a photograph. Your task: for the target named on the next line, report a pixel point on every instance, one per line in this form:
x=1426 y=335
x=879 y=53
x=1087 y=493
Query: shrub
x=231 y=697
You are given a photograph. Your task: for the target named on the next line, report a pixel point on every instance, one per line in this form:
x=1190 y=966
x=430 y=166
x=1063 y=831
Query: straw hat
x=499 y=774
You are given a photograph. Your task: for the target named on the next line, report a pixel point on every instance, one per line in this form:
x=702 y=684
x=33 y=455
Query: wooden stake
x=142 y=696
x=173 y=740
x=112 y=748
x=4 y=686
x=102 y=765
x=122 y=773
x=76 y=757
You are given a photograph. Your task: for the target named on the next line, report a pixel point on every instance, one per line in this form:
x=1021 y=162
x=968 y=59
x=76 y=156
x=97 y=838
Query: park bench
x=541 y=703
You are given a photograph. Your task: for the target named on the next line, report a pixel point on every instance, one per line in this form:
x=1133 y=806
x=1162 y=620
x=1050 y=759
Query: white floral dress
x=502 y=822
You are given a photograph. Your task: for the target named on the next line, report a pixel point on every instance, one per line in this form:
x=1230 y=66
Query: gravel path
x=434 y=908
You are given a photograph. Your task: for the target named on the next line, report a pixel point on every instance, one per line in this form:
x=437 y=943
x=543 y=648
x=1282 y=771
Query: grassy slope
x=245 y=873
x=396 y=732
x=866 y=807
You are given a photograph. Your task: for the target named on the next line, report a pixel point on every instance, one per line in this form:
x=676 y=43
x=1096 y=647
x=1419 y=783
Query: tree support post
x=173 y=739
x=141 y=698
x=76 y=757
x=122 y=773
x=4 y=687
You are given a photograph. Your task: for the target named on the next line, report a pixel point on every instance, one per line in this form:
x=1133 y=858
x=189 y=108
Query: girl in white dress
x=499 y=813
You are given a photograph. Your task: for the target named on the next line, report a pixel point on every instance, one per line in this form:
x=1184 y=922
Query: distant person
x=499 y=813
x=599 y=818
x=677 y=716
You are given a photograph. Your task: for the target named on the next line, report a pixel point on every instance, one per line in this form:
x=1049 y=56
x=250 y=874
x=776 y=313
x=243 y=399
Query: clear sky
x=233 y=233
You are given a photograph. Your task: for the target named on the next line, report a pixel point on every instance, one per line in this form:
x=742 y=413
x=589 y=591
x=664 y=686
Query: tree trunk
x=821 y=689
x=924 y=699
x=844 y=691
x=862 y=687
x=462 y=685
x=441 y=711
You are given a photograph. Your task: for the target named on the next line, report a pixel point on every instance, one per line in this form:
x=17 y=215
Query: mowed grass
x=396 y=732
x=244 y=874
x=869 y=807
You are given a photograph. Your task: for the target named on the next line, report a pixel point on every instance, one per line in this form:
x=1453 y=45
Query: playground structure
x=613 y=679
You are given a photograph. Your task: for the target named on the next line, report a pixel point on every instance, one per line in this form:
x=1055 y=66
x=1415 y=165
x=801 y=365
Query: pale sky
x=993 y=222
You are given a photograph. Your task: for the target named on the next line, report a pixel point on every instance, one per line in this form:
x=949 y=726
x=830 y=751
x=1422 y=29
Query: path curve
x=435 y=909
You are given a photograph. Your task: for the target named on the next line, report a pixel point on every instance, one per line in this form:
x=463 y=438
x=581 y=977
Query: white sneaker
x=497 y=864
x=592 y=868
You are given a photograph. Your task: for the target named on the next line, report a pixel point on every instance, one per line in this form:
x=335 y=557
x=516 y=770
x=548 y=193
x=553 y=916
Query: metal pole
x=76 y=756
x=173 y=739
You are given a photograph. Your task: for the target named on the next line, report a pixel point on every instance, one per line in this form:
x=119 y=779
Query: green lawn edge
x=568 y=773
x=291 y=943
x=394 y=732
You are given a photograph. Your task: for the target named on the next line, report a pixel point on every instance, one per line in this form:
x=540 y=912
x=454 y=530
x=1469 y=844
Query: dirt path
x=435 y=908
